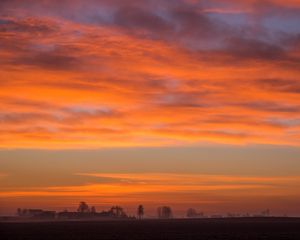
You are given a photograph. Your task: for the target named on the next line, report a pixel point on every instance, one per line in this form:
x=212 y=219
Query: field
x=206 y=229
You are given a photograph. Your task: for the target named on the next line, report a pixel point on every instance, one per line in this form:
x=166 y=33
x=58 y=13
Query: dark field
x=206 y=229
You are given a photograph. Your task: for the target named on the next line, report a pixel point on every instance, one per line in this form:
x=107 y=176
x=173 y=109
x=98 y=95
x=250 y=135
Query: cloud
x=24 y=50
x=49 y=61
x=139 y=73
x=255 y=49
x=138 y=19
x=182 y=99
x=272 y=107
x=15 y=118
x=27 y=25
x=280 y=85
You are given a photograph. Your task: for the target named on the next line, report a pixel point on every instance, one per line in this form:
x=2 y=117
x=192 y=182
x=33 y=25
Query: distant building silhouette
x=36 y=213
x=165 y=212
x=266 y=213
x=192 y=213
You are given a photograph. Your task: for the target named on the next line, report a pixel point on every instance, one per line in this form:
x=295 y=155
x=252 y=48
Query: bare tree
x=83 y=207
x=165 y=212
x=140 y=211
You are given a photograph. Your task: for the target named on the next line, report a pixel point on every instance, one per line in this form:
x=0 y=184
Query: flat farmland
x=181 y=229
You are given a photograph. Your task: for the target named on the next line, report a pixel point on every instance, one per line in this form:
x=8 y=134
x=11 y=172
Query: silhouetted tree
x=165 y=212
x=19 y=212
x=93 y=209
x=117 y=211
x=140 y=211
x=191 y=213
x=83 y=207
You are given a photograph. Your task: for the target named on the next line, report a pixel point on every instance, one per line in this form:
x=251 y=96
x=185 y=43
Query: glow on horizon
x=206 y=191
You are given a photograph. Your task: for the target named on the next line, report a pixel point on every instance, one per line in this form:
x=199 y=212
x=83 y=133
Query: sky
x=187 y=103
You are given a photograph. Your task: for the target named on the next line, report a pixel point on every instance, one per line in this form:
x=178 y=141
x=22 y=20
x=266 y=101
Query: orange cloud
x=83 y=85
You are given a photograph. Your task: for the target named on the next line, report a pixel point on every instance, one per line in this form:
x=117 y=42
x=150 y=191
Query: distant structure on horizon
x=192 y=213
x=83 y=212
x=164 y=212
x=36 y=213
x=140 y=211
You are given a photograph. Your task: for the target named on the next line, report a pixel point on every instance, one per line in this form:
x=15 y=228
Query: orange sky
x=104 y=74
x=212 y=193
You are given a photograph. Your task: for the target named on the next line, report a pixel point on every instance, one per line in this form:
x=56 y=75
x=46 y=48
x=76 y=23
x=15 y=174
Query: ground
x=206 y=229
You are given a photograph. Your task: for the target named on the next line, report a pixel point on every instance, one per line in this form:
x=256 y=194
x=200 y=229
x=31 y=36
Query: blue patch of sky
x=288 y=25
x=235 y=20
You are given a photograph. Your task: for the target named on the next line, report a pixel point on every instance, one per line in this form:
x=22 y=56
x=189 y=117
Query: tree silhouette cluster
x=84 y=208
x=164 y=212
